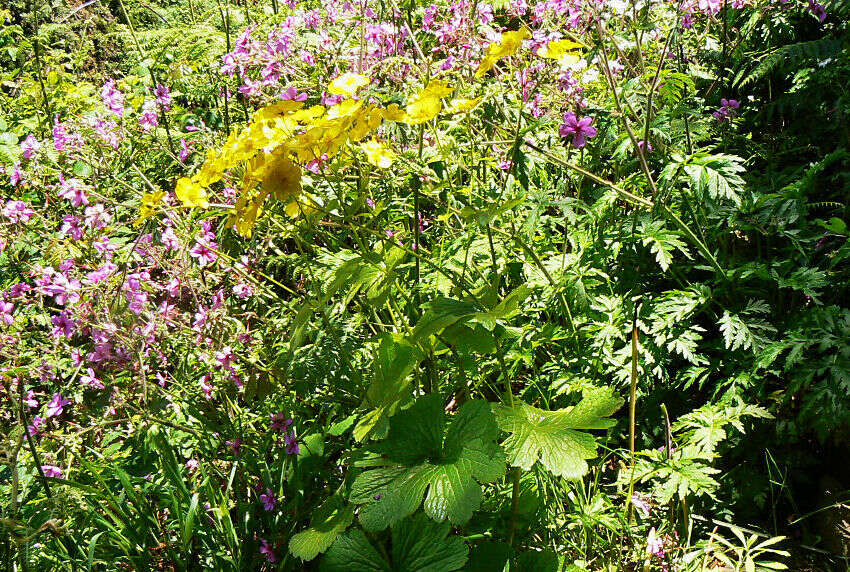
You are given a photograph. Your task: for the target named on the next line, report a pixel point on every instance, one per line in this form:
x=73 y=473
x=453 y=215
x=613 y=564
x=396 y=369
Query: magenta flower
x=30 y=400
x=185 y=150
x=817 y=9
x=91 y=380
x=63 y=326
x=292 y=447
x=235 y=444
x=52 y=471
x=280 y=422
x=268 y=499
x=30 y=146
x=149 y=119
x=36 y=424
x=56 y=406
x=6 y=309
x=266 y=549
x=112 y=98
x=72 y=190
x=579 y=129
x=163 y=96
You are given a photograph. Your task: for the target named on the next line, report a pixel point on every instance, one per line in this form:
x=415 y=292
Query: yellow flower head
x=463 y=105
x=348 y=84
x=377 y=154
x=507 y=46
x=148 y=206
x=394 y=113
x=282 y=177
x=191 y=194
x=426 y=104
x=557 y=49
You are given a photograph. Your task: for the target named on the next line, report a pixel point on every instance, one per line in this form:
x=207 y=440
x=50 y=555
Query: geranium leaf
x=329 y=520
x=555 y=437
x=425 y=457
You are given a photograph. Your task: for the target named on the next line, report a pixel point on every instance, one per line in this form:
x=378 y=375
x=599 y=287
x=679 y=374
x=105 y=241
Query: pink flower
x=267 y=550
x=56 y=406
x=291 y=93
x=268 y=500
x=52 y=471
x=30 y=146
x=17 y=211
x=6 y=309
x=30 y=400
x=97 y=217
x=580 y=129
x=72 y=190
x=149 y=119
x=163 y=96
x=112 y=98
x=91 y=380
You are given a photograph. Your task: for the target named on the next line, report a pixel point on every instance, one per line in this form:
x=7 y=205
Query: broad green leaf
x=426 y=458
x=555 y=438
x=328 y=521
x=418 y=545
x=352 y=552
x=389 y=390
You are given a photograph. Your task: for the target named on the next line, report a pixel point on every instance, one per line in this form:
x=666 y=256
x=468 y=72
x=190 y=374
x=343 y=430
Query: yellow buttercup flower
x=507 y=46
x=557 y=49
x=393 y=113
x=148 y=206
x=426 y=104
x=462 y=105
x=348 y=84
x=191 y=194
x=282 y=178
x=377 y=154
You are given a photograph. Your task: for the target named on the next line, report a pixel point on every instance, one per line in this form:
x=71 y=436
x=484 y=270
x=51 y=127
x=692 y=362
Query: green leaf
x=418 y=545
x=352 y=552
x=424 y=456
x=555 y=437
x=328 y=521
x=489 y=557
x=389 y=390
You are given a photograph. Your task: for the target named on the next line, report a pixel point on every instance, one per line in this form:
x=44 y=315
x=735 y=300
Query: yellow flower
x=556 y=49
x=507 y=46
x=394 y=113
x=377 y=154
x=348 y=84
x=426 y=104
x=277 y=109
x=304 y=205
x=282 y=178
x=211 y=171
x=462 y=105
x=191 y=194
x=148 y=206
x=422 y=110
x=436 y=88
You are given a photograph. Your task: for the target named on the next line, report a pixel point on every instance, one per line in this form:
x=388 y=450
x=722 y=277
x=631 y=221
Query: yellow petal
x=191 y=194
x=348 y=84
x=377 y=154
x=556 y=49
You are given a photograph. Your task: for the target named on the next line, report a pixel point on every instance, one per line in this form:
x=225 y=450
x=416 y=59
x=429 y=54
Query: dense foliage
x=364 y=286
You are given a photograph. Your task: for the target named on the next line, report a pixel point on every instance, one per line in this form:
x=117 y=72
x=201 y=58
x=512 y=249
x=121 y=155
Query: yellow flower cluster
x=283 y=135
